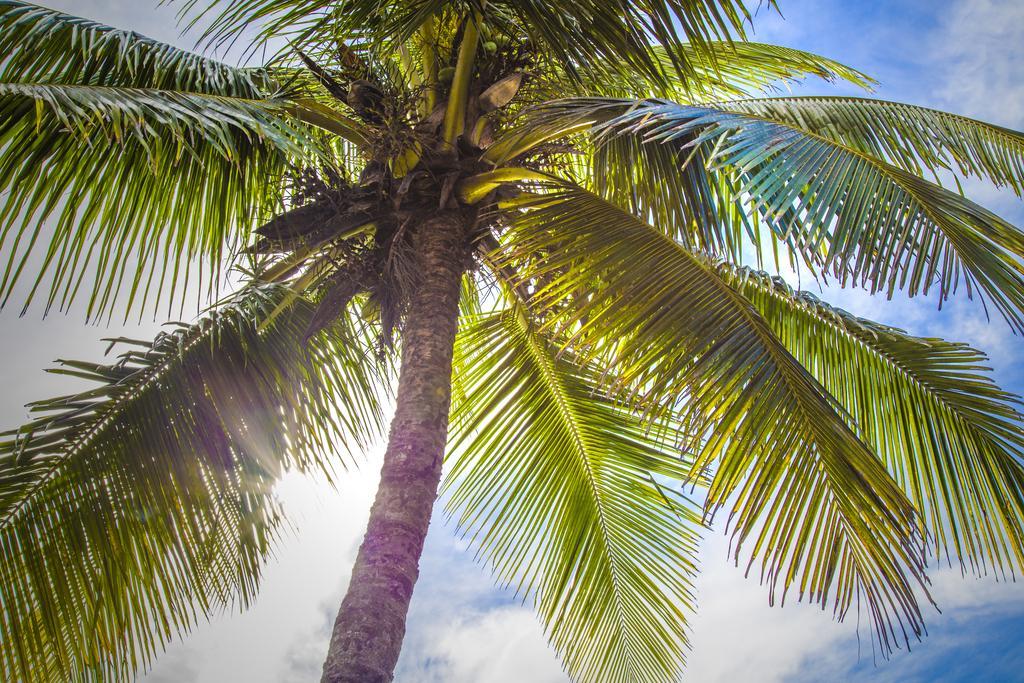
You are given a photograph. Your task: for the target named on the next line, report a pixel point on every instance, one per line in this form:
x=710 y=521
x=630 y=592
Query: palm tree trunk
x=370 y=626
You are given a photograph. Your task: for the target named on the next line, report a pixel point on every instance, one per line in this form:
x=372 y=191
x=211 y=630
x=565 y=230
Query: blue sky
x=966 y=57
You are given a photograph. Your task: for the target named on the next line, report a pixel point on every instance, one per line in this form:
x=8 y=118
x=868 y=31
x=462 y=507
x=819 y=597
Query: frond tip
x=70 y=50
x=570 y=499
x=929 y=408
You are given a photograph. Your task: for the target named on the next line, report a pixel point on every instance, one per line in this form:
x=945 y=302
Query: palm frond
x=123 y=162
x=841 y=210
x=142 y=503
x=576 y=35
x=949 y=435
x=743 y=68
x=722 y=70
x=619 y=35
x=568 y=496
x=41 y=45
x=822 y=514
x=917 y=139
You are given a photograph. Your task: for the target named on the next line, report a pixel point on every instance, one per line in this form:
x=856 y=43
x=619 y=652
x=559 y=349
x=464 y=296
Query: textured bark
x=370 y=626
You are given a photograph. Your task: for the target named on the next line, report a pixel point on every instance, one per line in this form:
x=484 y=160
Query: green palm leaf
x=842 y=210
x=134 y=507
x=949 y=436
x=147 y=159
x=816 y=504
x=75 y=51
x=917 y=139
x=721 y=70
x=577 y=35
x=567 y=495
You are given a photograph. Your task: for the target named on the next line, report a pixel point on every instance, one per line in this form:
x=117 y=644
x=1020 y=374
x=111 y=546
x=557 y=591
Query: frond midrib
x=156 y=92
x=557 y=391
x=147 y=376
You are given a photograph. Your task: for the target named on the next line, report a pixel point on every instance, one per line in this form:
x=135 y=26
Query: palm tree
x=569 y=203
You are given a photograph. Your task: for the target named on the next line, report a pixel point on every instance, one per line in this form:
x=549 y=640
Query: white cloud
x=457 y=634
x=966 y=634
x=178 y=667
x=737 y=637
x=461 y=628
x=503 y=645
x=980 y=52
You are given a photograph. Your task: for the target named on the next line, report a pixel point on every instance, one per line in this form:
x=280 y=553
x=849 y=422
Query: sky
x=966 y=57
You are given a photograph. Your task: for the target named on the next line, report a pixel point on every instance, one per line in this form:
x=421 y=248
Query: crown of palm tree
x=620 y=373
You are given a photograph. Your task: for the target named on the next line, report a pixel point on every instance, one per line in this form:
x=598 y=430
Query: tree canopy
x=625 y=367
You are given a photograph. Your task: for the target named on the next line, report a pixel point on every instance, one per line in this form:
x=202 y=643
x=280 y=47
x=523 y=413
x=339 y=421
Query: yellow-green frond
x=929 y=408
x=126 y=164
x=572 y=500
x=143 y=503
x=722 y=70
x=809 y=499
